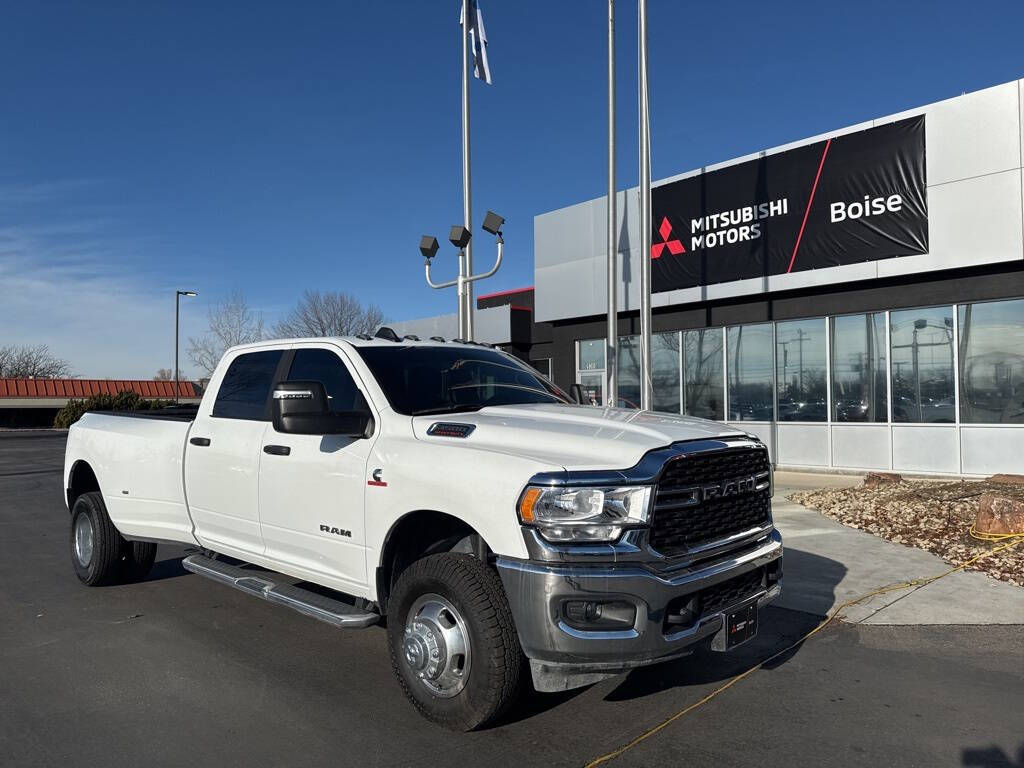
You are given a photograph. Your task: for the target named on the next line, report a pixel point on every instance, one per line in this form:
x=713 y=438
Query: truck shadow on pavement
x=811 y=578
x=991 y=757
x=166 y=569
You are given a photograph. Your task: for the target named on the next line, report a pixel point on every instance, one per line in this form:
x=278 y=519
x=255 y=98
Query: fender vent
x=450 y=429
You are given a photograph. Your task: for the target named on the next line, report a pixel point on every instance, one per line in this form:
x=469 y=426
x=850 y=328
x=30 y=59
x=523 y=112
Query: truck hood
x=575 y=437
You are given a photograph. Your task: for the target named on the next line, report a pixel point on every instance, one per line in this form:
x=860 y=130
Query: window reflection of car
x=932 y=410
x=751 y=410
x=851 y=410
x=813 y=409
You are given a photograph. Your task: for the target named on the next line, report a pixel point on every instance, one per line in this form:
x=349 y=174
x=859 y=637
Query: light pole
x=460 y=238
x=646 y=393
x=177 y=312
x=611 y=395
x=465 y=290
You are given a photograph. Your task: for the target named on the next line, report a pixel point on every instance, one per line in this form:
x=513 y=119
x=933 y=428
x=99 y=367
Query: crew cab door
x=312 y=486
x=222 y=456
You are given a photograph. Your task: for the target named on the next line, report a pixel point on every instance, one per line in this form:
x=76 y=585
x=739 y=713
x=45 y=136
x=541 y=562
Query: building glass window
x=665 y=372
x=703 y=387
x=921 y=347
x=628 y=379
x=591 y=355
x=858 y=368
x=800 y=370
x=590 y=370
x=992 y=362
x=749 y=363
x=542 y=365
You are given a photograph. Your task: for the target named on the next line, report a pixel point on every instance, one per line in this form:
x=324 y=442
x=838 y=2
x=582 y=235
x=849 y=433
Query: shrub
x=125 y=400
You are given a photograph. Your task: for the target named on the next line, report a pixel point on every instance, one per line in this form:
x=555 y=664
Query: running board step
x=261 y=584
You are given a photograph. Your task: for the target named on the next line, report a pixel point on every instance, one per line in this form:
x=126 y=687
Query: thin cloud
x=14 y=193
x=71 y=281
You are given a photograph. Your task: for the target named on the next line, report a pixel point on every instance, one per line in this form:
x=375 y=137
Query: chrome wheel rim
x=83 y=540
x=435 y=645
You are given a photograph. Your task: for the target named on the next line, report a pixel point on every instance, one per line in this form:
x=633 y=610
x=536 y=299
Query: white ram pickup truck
x=451 y=492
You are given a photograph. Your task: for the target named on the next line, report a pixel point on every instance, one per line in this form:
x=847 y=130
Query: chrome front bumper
x=564 y=657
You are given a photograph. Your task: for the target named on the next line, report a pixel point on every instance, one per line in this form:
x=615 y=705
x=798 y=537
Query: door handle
x=203 y=441
x=277 y=450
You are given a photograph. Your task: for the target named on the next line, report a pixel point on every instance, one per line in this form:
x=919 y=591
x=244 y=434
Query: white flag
x=477 y=41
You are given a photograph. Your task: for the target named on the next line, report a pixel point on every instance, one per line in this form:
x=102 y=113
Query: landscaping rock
x=999 y=514
x=1007 y=479
x=878 y=479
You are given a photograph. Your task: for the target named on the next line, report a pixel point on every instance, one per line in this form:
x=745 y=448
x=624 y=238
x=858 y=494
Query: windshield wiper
x=464 y=408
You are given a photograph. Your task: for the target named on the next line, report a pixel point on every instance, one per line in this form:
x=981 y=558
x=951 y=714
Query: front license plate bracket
x=738 y=626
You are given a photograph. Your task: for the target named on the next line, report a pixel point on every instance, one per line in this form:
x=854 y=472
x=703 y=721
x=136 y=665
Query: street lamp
x=177 y=303
x=460 y=237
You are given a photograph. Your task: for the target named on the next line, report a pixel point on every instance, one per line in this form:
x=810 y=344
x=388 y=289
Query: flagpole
x=645 y=217
x=466 y=296
x=611 y=361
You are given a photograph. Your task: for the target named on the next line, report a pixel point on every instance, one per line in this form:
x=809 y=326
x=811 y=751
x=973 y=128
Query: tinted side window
x=246 y=386
x=326 y=367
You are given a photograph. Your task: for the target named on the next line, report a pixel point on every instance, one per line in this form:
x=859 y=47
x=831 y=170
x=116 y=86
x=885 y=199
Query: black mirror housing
x=301 y=408
x=576 y=393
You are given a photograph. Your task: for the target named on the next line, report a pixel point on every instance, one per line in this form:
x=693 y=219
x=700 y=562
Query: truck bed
x=186 y=413
x=139 y=457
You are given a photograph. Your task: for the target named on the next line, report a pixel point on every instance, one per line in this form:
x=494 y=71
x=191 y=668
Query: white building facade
x=894 y=340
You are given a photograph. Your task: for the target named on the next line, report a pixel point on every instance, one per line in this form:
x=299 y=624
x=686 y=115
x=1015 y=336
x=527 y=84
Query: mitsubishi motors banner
x=858 y=197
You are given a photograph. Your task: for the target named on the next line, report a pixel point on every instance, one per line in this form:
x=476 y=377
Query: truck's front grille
x=702 y=497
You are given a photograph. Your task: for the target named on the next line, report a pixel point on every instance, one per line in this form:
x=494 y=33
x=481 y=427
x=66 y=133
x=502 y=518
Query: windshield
x=421 y=380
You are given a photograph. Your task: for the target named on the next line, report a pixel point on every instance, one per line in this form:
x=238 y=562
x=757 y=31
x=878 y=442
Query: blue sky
x=271 y=147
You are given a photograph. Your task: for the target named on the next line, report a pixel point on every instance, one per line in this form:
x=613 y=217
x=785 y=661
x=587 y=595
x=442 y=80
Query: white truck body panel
x=222 y=481
x=139 y=464
x=576 y=437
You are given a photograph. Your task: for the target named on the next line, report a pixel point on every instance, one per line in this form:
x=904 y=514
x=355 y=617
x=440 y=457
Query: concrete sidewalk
x=827 y=563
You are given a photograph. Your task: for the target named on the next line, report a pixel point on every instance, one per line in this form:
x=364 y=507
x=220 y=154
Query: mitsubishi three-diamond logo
x=675 y=247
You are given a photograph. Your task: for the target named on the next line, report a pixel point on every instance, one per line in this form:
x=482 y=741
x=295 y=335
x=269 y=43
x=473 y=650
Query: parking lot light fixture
x=428 y=247
x=460 y=236
x=177 y=312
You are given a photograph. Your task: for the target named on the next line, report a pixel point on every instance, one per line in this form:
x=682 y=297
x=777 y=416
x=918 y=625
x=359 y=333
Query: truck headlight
x=584 y=514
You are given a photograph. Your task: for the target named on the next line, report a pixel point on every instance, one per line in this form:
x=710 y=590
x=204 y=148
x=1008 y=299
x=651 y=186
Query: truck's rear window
x=440 y=379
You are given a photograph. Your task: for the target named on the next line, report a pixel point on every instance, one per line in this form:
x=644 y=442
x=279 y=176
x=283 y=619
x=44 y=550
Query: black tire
x=137 y=560
x=101 y=563
x=476 y=593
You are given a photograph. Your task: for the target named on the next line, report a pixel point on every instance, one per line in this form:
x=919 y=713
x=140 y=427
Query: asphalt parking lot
x=178 y=670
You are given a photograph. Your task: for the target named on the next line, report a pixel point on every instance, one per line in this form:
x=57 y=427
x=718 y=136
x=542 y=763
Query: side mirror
x=300 y=408
x=576 y=393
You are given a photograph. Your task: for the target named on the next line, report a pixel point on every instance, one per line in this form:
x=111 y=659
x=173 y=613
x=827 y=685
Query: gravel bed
x=930 y=515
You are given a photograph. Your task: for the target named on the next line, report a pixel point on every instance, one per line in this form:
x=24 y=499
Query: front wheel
x=453 y=643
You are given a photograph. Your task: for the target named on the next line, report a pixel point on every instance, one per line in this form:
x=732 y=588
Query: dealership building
x=856 y=298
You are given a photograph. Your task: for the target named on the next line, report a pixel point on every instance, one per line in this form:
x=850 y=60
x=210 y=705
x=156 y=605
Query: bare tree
x=164 y=374
x=231 y=322
x=31 y=362
x=329 y=313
